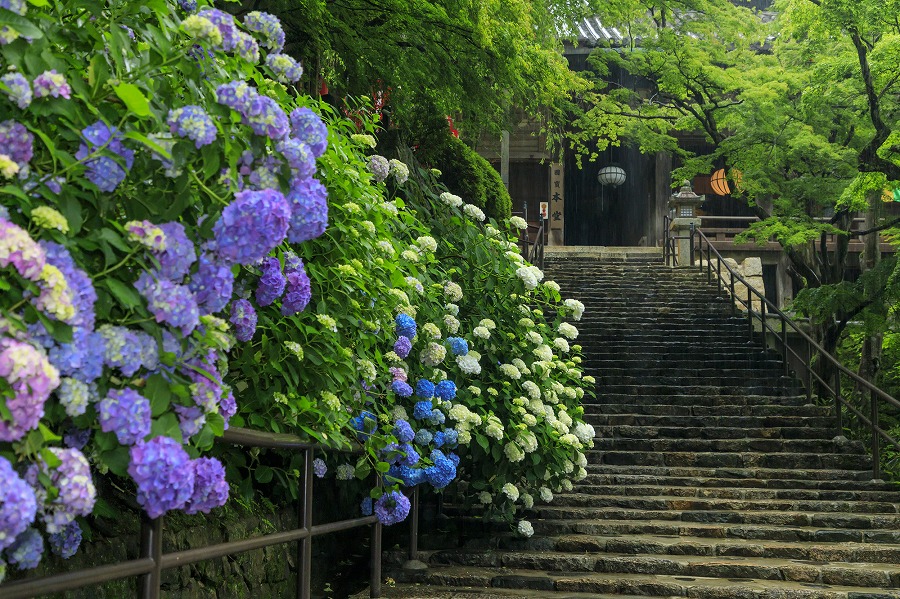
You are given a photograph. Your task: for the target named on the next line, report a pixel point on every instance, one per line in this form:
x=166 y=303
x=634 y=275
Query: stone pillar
x=685 y=203
x=557 y=220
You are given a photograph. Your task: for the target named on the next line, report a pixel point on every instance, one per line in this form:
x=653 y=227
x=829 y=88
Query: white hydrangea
x=492 y=391
x=552 y=285
x=524 y=309
x=344 y=472
x=567 y=485
x=580 y=459
x=520 y=364
x=589 y=380
x=451 y=200
x=561 y=344
x=567 y=330
x=580 y=474
x=452 y=309
x=576 y=307
x=410 y=255
x=433 y=354
x=485 y=498
x=531 y=388
x=570 y=393
x=416 y=284
x=369 y=226
x=476 y=391
x=529 y=419
x=518 y=222
x=493 y=427
x=513 y=453
x=543 y=352
x=491 y=231
x=462 y=414
x=399 y=170
x=366 y=370
x=474 y=212
x=514 y=256
x=469 y=363
x=330 y=401
x=527 y=275
x=452 y=291
x=431 y=330
x=527 y=501
x=463 y=436
x=534 y=337
x=488 y=324
x=426 y=243
x=536 y=406
x=481 y=332
x=527 y=440
x=390 y=208
x=386 y=247
x=451 y=323
x=570 y=440
x=510 y=371
x=559 y=426
x=510 y=491
x=584 y=432
x=525 y=529
x=546 y=494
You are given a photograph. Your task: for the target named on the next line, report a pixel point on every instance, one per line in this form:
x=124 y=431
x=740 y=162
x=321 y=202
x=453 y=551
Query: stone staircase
x=711 y=478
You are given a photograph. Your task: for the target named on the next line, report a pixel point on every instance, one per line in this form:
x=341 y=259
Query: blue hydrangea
x=188 y=5
x=425 y=389
x=453 y=458
x=247 y=47
x=320 y=468
x=299 y=290
x=392 y=507
x=175 y=261
x=243 y=317
x=423 y=437
x=458 y=346
x=103 y=171
x=18 y=504
x=162 y=470
x=365 y=506
x=80 y=285
x=436 y=417
x=77 y=438
x=308 y=200
x=401 y=388
x=121 y=349
x=307 y=126
x=192 y=122
x=446 y=390
x=169 y=302
x=126 y=413
x=402 y=346
x=83 y=359
x=443 y=470
x=17 y=142
x=438 y=439
x=269 y=28
x=284 y=67
x=17 y=88
x=210 y=487
x=422 y=410
x=299 y=157
x=66 y=542
x=410 y=455
x=212 y=285
x=25 y=553
x=271 y=282
x=239 y=96
x=405 y=326
x=251 y=226
x=365 y=424
x=268 y=119
x=149 y=350
x=403 y=431
x=411 y=476
x=224 y=22
x=451 y=437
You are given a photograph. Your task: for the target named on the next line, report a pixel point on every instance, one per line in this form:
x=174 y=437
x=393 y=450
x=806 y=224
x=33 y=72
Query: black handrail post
x=733 y=298
x=838 y=409
x=151 y=546
x=876 y=440
x=750 y=312
x=762 y=320
x=809 y=353
x=375 y=573
x=784 y=345
x=304 y=546
x=691 y=244
x=719 y=274
x=708 y=262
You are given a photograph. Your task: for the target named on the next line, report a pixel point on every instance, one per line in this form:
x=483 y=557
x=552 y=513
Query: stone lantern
x=683 y=205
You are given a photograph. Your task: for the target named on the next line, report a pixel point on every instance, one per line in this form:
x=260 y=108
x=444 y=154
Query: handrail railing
x=534 y=251
x=148 y=567
x=670 y=256
x=768 y=311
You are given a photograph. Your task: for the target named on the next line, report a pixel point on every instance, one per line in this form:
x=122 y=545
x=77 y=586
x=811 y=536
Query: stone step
x=744 y=399
x=745 y=371
x=675 y=389
x=644 y=584
x=741 y=533
x=710 y=419
x=842 y=483
x=689 y=380
x=703 y=432
x=798 y=460
x=654 y=488
x=768 y=446
x=418 y=591
x=738 y=475
x=764 y=517
x=636 y=356
x=718 y=504
x=721 y=406
x=624 y=350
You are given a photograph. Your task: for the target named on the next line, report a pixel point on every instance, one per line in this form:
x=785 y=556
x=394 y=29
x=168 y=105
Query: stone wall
x=751 y=270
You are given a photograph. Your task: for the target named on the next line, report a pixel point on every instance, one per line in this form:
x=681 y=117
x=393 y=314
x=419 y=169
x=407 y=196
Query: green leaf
x=167 y=426
x=47 y=434
x=127 y=296
x=133 y=98
x=263 y=474
x=216 y=424
x=136 y=136
x=50 y=457
x=382 y=466
x=39 y=2
x=20 y=24
x=117 y=460
x=158 y=392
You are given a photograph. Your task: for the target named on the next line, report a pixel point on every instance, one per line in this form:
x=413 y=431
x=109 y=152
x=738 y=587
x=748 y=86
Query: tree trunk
x=871 y=256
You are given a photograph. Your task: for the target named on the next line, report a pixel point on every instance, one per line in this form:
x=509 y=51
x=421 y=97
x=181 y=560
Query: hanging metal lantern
x=611 y=175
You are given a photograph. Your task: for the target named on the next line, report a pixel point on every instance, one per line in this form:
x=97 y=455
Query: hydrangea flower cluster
x=52 y=84
x=268 y=27
x=102 y=170
x=285 y=68
x=193 y=122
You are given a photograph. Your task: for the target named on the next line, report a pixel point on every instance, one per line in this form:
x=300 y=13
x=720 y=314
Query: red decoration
x=453 y=130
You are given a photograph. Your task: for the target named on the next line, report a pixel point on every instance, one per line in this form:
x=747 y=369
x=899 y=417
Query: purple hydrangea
x=401 y=388
x=269 y=28
x=398 y=373
x=17 y=142
x=190 y=420
x=458 y=346
x=405 y=326
x=66 y=542
x=320 y=469
x=243 y=317
x=239 y=96
x=365 y=506
x=162 y=470
x=77 y=438
x=126 y=413
x=121 y=348
x=247 y=47
x=285 y=68
x=103 y=171
x=251 y=226
x=379 y=167
x=80 y=285
x=25 y=553
x=17 y=88
x=51 y=83
x=76 y=489
x=212 y=285
x=391 y=508
x=169 y=302
x=210 y=487
x=193 y=122
x=403 y=431
x=271 y=282
x=175 y=261
x=83 y=358
x=307 y=127
x=18 y=505
x=422 y=410
x=309 y=209
x=266 y=174
x=227 y=406
x=298 y=292
x=292 y=262
x=402 y=346
x=224 y=22
x=149 y=350
x=188 y=5
x=425 y=389
x=299 y=157
x=270 y=120
x=446 y=390
x=30 y=379
x=443 y=470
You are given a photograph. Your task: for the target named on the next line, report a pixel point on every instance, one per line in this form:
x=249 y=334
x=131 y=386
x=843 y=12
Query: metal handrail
x=152 y=561
x=534 y=252
x=766 y=313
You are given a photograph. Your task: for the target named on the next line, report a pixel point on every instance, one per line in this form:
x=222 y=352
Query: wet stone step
x=679 y=406
x=800 y=461
x=770 y=446
x=675 y=388
x=710 y=420
x=591 y=486
x=738 y=474
x=881 y=491
x=703 y=432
